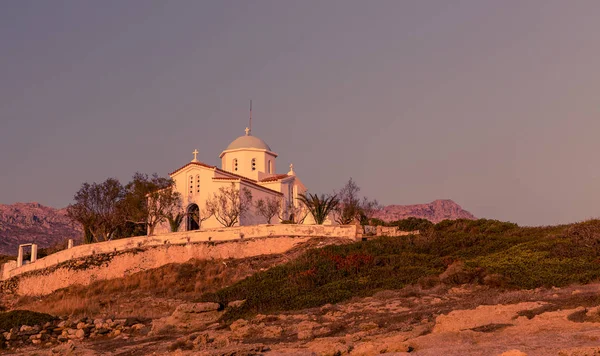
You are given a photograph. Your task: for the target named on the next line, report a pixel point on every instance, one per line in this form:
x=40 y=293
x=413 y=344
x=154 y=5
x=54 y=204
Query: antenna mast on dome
x=250 y=125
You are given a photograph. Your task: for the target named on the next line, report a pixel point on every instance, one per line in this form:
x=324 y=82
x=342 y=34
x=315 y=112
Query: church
x=249 y=163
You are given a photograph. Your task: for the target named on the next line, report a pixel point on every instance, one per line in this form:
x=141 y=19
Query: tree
x=319 y=207
x=175 y=221
x=268 y=207
x=351 y=207
x=97 y=208
x=229 y=205
x=202 y=214
x=149 y=199
x=348 y=208
x=294 y=213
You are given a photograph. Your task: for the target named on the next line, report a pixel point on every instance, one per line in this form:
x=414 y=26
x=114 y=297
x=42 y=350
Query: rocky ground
x=449 y=320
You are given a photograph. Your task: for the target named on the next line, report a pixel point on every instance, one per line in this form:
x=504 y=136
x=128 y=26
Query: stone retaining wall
x=115 y=259
x=10 y=270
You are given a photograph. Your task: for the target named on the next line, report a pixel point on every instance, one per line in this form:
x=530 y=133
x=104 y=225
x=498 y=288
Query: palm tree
x=319 y=206
x=175 y=220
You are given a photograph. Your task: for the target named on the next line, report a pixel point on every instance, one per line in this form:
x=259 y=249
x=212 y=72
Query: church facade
x=247 y=163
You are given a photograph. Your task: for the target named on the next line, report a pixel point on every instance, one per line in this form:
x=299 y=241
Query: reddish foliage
x=349 y=263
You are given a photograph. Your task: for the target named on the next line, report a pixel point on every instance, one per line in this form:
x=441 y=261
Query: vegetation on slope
x=17 y=318
x=480 y=251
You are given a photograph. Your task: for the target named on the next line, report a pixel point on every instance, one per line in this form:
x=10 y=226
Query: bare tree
x=229 y=205
x=294 y=213
x=349 y=207
x=204 y=214
x=368 y=209
x=97 y=208
x=352 y=207
x=268 y=207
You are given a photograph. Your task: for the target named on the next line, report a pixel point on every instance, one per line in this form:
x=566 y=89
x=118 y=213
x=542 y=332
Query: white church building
x=248 y=162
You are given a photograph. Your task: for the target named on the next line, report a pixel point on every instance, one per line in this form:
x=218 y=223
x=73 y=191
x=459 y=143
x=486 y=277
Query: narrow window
x=253 y=164
x=198 y=183
x=270 y=167
x=235 y=165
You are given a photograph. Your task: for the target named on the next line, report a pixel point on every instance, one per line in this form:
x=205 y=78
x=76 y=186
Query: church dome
x=248 y=141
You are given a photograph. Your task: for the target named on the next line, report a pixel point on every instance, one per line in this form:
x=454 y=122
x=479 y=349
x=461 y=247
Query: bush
x=491 y=252
x=412 y=224
x=18 y=318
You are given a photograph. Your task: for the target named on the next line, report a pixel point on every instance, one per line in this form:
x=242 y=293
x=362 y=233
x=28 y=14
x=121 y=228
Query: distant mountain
x=22 y=223
x=435 y=211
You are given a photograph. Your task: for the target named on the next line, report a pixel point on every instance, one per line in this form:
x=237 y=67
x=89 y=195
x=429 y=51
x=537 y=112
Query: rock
x=368 y=326
x=203 y=339
x=80 y=325
x=305 y=329
x=328 y=347
x=137 y=327
x=131 y=321
x=103 y=331
x=236 y=303
x=271 y=332
x=483 y=315
x=513 y=353
x=80 y=334
x=197 y=307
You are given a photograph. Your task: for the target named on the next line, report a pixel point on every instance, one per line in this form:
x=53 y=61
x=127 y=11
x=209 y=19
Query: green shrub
x=484 y=251
x=17 y=318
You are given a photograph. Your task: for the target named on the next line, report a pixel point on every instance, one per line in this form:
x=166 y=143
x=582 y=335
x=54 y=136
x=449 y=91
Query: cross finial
x=195 y=153
x=291 y=172
x=247 y=131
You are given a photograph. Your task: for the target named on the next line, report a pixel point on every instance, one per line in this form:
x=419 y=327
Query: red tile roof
x=274 y=178
x=235 y=176
x=192 y=163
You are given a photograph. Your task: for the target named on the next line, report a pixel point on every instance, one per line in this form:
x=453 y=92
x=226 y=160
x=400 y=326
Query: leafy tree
x=319 y=206
x=149 y=199
x=268 y=207
x=97 y=208
x=229 y=205
x=175 y=220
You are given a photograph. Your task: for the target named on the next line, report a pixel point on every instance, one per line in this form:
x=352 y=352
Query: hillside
x=435 y=211
x=32 y=222
x=461 y=287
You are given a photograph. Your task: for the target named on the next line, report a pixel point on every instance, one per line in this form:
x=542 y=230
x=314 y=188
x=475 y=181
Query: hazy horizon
x=491 y=104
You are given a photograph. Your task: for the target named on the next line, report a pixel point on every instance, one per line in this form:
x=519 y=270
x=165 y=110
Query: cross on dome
x=247 y=131
x=195 y=153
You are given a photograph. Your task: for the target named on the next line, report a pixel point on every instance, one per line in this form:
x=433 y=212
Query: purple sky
x=493 y=104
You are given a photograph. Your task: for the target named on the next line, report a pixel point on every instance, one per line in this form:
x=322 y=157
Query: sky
x=493 y=104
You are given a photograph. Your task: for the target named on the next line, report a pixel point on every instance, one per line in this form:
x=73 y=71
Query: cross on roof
x=195 y=153
x=247 y=131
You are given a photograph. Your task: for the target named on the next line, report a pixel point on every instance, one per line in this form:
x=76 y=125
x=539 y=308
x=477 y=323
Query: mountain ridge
x=435 y=211
x=34 y=223
x=46 y=226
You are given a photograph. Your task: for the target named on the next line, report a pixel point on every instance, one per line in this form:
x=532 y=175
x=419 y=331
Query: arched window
x=193 y=218
x=270 y=167
x=235 y=165
x=253 y=164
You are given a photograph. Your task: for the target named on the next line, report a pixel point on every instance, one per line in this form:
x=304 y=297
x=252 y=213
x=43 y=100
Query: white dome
x=248 y=142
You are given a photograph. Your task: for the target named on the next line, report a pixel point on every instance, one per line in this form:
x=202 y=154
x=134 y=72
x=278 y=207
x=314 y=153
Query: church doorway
x=193 y=216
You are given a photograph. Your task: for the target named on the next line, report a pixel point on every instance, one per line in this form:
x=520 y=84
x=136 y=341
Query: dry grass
x=147 y=294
